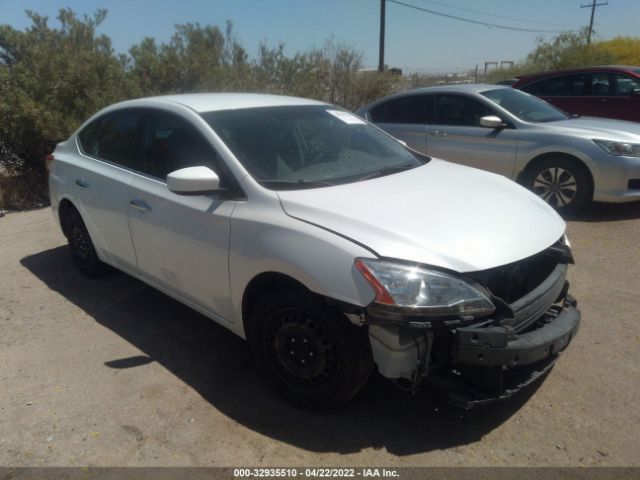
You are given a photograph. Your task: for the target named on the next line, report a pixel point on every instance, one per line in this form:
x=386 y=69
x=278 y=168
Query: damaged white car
x=330 y=246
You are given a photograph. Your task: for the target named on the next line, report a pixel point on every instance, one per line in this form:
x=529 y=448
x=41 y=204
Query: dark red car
x=607 y=91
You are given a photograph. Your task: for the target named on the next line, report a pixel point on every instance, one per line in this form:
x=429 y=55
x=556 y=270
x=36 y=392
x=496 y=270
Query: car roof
x=208 y=102
x=594 y=68
x=467 y=87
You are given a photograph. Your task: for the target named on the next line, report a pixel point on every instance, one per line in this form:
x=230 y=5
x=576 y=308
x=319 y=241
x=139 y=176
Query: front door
x=181 y=242
x=456 y=135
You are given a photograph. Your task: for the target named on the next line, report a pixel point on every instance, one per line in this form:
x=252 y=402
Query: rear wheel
x=82 y=250
x=561 y=182
x=312 y=353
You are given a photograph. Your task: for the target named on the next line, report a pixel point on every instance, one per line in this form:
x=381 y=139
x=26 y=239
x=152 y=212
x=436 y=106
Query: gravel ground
x=113 y=373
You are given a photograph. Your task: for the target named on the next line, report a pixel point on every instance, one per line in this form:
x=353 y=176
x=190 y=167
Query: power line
x=517 y=19
x=476 y=22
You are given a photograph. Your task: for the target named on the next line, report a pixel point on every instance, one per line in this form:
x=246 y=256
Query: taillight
x=48 y=161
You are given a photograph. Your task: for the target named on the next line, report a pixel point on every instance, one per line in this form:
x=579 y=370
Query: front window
x=294 y=147
x=460 y=110
x=626 y=85
x=525 y=107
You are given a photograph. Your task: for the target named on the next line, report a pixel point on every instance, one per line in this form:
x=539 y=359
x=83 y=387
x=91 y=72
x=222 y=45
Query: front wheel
x=310 y=351
x=562 y=183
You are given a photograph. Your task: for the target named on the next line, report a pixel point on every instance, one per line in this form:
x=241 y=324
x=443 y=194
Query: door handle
x=438 y=133
x=140 y=205
x=82 y=183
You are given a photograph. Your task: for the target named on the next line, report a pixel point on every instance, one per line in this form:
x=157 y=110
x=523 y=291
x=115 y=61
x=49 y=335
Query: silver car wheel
x=556 y=186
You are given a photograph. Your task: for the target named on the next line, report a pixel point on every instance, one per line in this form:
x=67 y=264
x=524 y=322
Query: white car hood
x=439 y=214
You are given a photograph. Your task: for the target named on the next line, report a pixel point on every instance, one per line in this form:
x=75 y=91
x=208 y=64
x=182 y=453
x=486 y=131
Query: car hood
x=601 y=128
x=439 y=214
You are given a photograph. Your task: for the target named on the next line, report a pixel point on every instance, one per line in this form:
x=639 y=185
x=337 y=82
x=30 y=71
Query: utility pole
x=593 y=11
x=381 y=48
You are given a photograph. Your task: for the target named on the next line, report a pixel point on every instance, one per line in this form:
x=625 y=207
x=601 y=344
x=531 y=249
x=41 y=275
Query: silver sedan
x=565 y=159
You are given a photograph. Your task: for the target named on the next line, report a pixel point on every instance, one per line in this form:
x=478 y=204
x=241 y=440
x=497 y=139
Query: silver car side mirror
x=492 y=121
x=193 y=180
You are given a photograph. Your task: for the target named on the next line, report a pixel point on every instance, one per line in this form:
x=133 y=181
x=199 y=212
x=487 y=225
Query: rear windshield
x=290 y=147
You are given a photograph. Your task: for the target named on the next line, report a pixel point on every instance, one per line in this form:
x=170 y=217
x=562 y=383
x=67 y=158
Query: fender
x=320 y=260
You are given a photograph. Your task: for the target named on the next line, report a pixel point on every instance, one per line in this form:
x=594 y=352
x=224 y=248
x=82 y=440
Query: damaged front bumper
x=479 y=361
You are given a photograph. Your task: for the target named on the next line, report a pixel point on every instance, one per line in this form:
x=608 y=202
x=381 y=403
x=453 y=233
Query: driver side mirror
x=193 y=181
x=635 y=92
x=492 y=121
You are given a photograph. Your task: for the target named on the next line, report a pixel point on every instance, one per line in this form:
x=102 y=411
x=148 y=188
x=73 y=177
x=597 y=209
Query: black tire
x=81 y=247
x=563 y=183
x=311 y=352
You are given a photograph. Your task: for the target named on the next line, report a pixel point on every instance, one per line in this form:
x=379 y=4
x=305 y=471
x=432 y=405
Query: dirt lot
x=111 y=372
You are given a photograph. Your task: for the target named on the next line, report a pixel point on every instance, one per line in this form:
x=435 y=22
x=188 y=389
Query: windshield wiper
x=388 y=171
x=296 y=185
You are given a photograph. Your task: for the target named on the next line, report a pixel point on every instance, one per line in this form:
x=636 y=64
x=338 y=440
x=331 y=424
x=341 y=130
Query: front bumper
x=498 y=347
x=611 y=176
x=487 y=360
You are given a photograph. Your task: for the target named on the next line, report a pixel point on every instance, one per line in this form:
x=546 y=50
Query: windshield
x=524 y=106
x=292 y=147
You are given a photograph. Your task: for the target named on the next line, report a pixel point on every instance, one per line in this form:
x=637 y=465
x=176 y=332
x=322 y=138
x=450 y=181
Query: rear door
x=456 y=135
x=181 y=241
x=111 y=147
x=406 y=118
x=567 y=92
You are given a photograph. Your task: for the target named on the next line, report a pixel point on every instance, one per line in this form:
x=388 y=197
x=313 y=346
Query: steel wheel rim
x=301 y=350
x=556 y=186
x=81 y=242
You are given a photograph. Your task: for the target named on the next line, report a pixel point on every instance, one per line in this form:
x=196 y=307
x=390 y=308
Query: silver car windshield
x=524 y=106
x=295 y=147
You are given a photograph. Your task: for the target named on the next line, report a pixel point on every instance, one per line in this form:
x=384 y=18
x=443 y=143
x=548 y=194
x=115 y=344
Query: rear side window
x=535 y=88
x=115 y=137
x=171 y=143
x=460 y=110
x=415 y=109
x=89 y=138
x=566 y=86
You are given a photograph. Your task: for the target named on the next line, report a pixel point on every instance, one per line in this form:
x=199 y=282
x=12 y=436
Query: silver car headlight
x=429 y=292
x=619 y=149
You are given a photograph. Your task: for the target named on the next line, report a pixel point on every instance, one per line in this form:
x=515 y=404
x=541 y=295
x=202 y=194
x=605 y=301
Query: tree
x=624 y=50
x=196 y=59
x=567 y=50
x=52 y=79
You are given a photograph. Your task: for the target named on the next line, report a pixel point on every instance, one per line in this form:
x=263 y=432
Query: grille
x=514 y=281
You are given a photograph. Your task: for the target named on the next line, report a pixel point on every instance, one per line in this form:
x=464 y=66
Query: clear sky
x=415 y=40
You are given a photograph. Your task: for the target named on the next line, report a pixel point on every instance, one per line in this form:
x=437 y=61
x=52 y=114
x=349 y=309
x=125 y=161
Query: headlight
x=619 y=149
x=430 y=292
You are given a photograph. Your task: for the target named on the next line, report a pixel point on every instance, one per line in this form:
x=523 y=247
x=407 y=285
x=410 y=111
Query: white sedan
x=327 y=244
